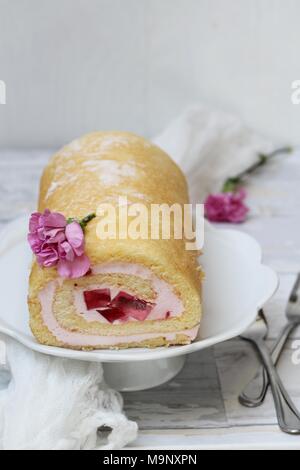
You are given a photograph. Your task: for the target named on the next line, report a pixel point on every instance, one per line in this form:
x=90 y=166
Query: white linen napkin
x=58 y=404
x=210 y=146
x=52 y=403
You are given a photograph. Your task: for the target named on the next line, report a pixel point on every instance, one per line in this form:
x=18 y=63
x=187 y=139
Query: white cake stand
x=237 y=284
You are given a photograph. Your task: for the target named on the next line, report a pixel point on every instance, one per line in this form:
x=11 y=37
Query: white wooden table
x=199 y=408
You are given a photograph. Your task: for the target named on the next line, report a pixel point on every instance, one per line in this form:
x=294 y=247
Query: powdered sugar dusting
x=75 y=145
x=92 y=148
x=59 y=183
x=114 y=141
x=100 y=144
x=110 y=172
x=52 y=188
x=119 y=140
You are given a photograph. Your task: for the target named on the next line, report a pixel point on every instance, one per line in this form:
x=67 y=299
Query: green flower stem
x=83 y=222
x=232 y=183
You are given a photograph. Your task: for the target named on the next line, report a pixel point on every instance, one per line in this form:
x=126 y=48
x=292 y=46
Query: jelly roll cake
x=96 y=292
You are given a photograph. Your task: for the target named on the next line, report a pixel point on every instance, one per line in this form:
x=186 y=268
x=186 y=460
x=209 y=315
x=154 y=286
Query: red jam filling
x=122 y=307
x=112 y=314
x=98 y=298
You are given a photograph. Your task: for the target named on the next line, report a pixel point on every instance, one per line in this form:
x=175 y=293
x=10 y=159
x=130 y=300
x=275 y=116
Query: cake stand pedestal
x=132 y=376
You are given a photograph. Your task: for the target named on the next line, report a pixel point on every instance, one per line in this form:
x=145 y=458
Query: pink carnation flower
x=226 y=207
x=57 y=243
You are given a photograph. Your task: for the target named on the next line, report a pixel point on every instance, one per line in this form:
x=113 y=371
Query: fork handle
x=256 y=390
x=287 y=414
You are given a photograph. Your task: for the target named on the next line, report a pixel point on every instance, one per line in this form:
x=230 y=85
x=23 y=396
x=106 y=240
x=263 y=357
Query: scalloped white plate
x=237 y=284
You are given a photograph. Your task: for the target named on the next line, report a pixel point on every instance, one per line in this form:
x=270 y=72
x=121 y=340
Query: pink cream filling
x=166 y=304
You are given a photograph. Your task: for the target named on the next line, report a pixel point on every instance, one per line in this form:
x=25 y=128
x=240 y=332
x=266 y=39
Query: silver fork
x=287 y=414
x=256 y=390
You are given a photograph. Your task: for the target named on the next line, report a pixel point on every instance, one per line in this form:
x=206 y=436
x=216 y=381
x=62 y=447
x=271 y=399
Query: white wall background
x=72 y=66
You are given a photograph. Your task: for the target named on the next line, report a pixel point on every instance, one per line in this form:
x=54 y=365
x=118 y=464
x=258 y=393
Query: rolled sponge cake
x=156 y=282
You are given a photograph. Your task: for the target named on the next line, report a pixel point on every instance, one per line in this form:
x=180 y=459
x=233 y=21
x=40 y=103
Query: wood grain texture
x=192 y=400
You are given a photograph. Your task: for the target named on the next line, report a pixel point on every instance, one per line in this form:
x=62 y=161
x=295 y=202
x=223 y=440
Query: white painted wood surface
x=199 y=408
